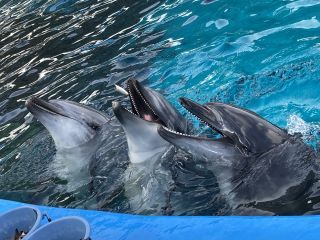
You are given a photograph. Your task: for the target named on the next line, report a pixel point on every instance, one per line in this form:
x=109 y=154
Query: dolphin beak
x=34 y=101
x=118 y=110
x=122 y=114
x=208 y=116
x=201 y=146
x=168 y=134
x=137 y=90
x=198 y=110
x=191 y=106
x=173 y=136
x=35 y=105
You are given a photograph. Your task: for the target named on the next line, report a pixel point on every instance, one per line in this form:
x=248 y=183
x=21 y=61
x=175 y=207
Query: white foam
x=296 y=124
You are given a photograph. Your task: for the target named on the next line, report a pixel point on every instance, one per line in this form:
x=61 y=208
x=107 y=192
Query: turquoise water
x=261 y=55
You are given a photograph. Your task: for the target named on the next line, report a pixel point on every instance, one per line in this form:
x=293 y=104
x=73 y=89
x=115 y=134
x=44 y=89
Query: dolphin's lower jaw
x=222 y=150
x=144 y=142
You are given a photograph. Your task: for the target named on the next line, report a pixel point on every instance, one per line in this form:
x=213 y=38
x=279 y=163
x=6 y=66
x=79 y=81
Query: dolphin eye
x=94 y=126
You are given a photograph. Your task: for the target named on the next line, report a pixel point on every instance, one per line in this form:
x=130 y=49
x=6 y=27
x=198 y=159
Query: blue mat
x=106 y=225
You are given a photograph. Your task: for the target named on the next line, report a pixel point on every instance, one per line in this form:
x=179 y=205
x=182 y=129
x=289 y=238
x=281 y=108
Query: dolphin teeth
x=114 y=103
x=134 y=103
x=175 y=132
x=130 y=112
x=204 y=122
x=142 y=97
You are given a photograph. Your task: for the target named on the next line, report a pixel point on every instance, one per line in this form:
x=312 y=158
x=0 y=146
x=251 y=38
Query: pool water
x=261 y=55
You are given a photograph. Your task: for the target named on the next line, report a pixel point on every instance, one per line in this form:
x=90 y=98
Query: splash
x=310 y=131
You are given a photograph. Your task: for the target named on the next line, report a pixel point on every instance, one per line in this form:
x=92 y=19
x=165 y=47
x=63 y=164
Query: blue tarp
x=113 y=226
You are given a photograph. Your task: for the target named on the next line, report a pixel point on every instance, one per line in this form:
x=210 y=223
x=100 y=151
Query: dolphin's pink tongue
x=152 y=118
x=147 y=117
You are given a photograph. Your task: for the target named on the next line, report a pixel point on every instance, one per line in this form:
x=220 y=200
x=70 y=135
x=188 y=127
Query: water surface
x=261 y=55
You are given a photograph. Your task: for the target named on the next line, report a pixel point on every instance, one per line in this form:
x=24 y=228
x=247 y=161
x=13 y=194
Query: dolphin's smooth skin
x=257 y=165
x=75 y=129
x=147 y=181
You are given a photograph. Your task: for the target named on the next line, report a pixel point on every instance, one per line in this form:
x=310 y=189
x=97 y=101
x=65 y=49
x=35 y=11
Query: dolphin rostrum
x=70 y=124
x=255 y=161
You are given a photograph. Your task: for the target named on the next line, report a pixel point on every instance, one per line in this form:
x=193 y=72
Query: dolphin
x=147 y=179
x=76 y=130
x=149 y=111
x=255 y=162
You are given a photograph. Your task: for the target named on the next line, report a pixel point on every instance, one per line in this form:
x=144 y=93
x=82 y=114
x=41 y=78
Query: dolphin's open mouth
x=249 y=132
x=149 y=106
x=139 y=103
x=35 y=104
x=198 y=111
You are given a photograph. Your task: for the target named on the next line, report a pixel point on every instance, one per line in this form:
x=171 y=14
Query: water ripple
x=263 y=55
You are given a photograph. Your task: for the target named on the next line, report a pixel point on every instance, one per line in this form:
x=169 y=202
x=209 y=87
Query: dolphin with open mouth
x=147 y=179
x=254 y=161
x=149 y=110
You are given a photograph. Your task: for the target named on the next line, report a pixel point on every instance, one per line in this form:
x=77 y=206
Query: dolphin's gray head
x=70 y=124
x=243 y=132
x=152 y=106
x=149 y=110
x=249 y=132
x=254 y=160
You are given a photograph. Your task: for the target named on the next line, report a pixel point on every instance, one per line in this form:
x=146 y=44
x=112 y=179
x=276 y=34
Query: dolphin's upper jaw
x=38 y=107
x=200 y=112
x=249 y=132
x=139 y=104
x=193 y=107
x=35 y=104
x=163 y=130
